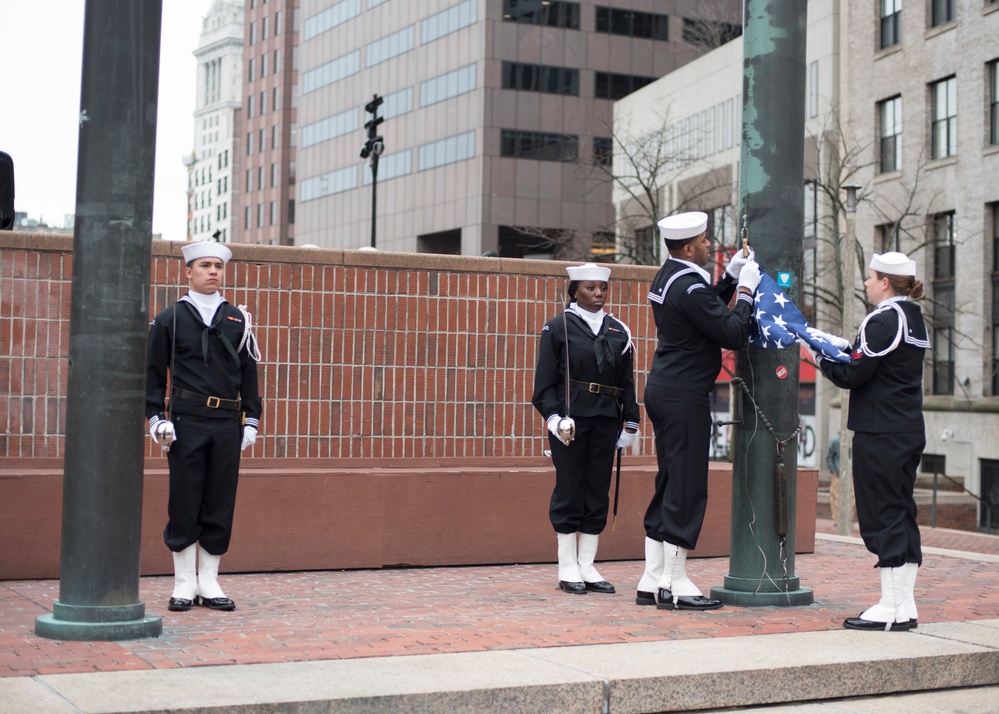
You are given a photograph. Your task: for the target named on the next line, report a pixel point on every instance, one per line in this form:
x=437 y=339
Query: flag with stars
x=778 y=323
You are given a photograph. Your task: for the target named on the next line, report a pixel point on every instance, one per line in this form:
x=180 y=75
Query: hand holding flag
x=778 y=324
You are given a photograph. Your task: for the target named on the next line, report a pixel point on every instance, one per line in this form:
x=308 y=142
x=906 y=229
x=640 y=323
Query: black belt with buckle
x=206 y=401
x=594 y=388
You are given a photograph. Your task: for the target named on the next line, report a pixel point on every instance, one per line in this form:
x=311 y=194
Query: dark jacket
x=549 y=378
x=693 y=324
x=885 y=382
x=205 y=361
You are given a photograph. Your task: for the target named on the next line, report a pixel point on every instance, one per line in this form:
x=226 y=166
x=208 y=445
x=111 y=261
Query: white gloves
x=626 y=439
x=749 y=276
x=738 y=262
x=839 y=343
x=162 y=433
x=816 y=355
x=553 y=421
x=249 y=437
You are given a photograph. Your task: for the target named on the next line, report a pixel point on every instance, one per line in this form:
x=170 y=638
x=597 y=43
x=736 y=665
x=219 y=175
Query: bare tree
x=659 y=172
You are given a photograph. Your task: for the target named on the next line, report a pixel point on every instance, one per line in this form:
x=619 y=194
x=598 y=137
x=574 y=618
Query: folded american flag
x=778 y=323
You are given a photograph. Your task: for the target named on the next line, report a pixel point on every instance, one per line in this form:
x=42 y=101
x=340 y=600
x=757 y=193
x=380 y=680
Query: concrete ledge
x=298 y=514
x=679 y=675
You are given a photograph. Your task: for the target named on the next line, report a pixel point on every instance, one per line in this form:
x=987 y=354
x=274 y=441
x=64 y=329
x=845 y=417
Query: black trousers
x=884 y=476
x=682 y=425
x=583 y=476
x=204 y=469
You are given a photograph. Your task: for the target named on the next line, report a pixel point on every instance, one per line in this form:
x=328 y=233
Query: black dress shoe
x=644 y=597
x=179 y=604
x=859 y=623
x=601 y=586
x=696 y=602
x=215 y=603
x=576 y=588
x=913 y=623
x=665 y=599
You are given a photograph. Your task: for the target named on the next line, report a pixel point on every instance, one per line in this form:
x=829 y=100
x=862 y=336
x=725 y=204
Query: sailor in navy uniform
x=207 y=346
x=602 y=403
x=693 y=324
x=885 y=379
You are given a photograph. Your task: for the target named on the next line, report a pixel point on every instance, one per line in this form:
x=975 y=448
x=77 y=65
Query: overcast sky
x=41 y=54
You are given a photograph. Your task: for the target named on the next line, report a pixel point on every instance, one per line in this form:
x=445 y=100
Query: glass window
x=889 y=238
x=325 y=185
x=542 y=12
x=634 y=24
x=448 y=21
x=249 y=70
x=943 y=303
x=994 y=211
x=328 y=18
x=447 y=85
x=944 y=127
x=603 y=151
x=890 y=120
x=943 y=338
x=993 y=69
x=943 y=245
x=390 y=166
x=263 y=65
x=330 y=72
x=392 y=46
x=615 y=86
x=446 y=151
x=277 y=61
x=538 y=145
x=540 y=78
x=891 y=22
x=943 y=11
x=330 y=127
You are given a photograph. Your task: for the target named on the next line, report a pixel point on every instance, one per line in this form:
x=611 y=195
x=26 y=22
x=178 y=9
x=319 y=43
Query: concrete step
x=661 y=676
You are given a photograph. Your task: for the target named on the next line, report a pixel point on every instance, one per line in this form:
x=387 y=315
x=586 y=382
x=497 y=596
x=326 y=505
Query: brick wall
x=365 y=354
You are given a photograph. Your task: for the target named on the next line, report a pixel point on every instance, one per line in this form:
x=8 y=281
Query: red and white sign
x=781 y=372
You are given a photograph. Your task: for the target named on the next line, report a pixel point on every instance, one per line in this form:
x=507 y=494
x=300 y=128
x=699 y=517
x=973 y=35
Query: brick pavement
x=291 y=617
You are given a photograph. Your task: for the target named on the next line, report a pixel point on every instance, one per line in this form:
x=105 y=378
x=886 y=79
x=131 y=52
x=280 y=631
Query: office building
x=497 y=117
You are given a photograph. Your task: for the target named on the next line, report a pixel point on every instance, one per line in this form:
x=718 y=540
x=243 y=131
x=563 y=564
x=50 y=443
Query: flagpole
x=771 y=185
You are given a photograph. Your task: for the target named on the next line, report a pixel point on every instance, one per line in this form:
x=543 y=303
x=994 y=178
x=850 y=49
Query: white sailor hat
x=588 y=271
x=893 y=264
x=206 y=249
x=683 y=226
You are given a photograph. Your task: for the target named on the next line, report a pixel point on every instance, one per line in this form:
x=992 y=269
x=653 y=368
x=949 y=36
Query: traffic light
x=375 y=144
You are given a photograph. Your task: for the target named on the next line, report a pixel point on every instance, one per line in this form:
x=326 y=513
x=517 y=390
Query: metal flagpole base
x=98 y=623
x=750 y=592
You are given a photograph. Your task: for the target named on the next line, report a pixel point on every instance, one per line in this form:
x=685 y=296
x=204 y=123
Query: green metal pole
x=771 y=187
x=109 y=316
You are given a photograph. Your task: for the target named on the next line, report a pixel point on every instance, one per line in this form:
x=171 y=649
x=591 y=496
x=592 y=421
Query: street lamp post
x=372 y=149
x=844 y=519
